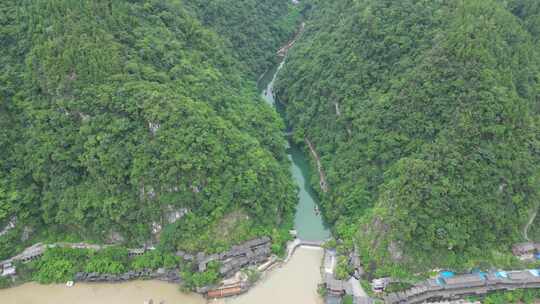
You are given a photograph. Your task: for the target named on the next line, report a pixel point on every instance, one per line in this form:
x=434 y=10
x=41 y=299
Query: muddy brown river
x=294 y=282
x=136 y=292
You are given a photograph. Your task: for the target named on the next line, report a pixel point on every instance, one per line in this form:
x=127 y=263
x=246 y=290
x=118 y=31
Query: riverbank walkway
x=37 y=250
x=466 y=284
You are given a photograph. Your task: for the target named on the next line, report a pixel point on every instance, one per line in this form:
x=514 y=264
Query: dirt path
x=322 y=178
x=285 y=49
x=529 y=223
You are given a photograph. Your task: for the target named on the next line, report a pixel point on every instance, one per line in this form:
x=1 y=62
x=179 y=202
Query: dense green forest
x=426 y=118
x=254 y=28
x=529 y=14
x=116 y=114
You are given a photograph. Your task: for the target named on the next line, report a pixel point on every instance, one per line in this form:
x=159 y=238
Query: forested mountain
x=255 y=29
x=117 y=115
x=425 y=115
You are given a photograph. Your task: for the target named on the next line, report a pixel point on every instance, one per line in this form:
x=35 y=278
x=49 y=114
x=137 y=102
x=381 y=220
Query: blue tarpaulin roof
x=501 y=274
x=444 y=275
x=447 y=274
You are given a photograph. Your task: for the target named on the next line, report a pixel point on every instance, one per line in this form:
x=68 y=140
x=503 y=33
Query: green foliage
x=253 y=275
x=199 y=279
x=366 y=285
x=25 y=271
x=425 y=115
x=154 y=260
x=59 y=265
x=55 y=271
x=104 y=265
x=114 y=113
x=396 y=287
x=322 y=290
x=332 y=243
x=343 y=268
x=255 y=29
x=527 y=296
x=5 y=282
x=170 y=261
x=280 y=237
x=111 y=260
x=347 y=299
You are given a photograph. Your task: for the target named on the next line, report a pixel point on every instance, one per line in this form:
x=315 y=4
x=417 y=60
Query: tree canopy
x=115 y=113
x=255 y=29
x=425 y=114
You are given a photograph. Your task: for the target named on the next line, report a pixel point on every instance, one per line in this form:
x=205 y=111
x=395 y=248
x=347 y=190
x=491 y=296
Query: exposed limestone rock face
x=170 y=216
x=174 y=215
x=115 y=237
x=10 y=225
x=395 y=251
x=156 y=228
x=27 y=232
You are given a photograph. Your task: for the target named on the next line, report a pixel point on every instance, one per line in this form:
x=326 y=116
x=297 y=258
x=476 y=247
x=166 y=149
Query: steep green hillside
x=116 y=113
x=255 y=29
x=423 y=113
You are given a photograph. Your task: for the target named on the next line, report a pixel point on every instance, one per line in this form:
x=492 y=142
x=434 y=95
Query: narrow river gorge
x=308 y=223
x=293 y=282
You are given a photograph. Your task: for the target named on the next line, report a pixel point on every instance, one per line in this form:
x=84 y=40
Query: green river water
x=308 y=224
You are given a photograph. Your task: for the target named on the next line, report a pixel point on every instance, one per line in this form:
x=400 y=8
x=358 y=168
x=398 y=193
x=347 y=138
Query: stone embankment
x=168 y=275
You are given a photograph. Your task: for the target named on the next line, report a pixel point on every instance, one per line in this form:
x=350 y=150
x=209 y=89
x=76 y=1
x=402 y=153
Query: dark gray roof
x=333 y=284
x=469 y=279
x=432 y=284
x=521 y=275
x=257 y=242
x=391 y=298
